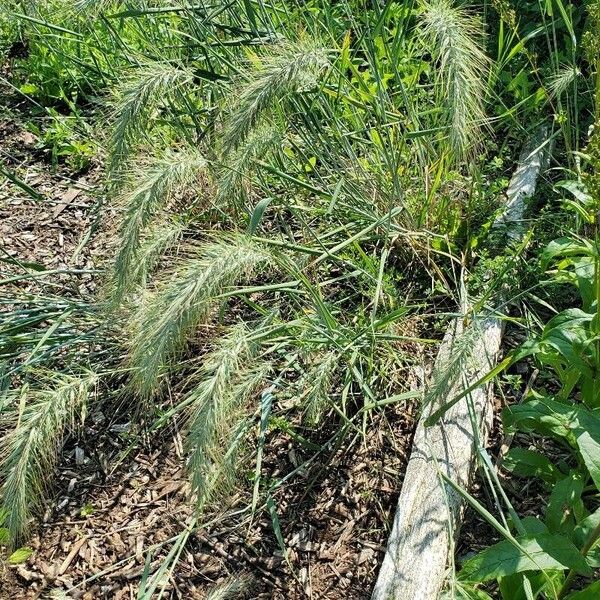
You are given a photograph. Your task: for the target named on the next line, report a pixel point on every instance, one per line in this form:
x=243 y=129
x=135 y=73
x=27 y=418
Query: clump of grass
x=38 y=419
x=184 y=300
x=455 y=37
x=287 y=69
x=145 y=195
x=135 y=99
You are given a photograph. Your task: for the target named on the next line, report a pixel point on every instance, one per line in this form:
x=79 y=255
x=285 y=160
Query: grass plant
x=302 y=193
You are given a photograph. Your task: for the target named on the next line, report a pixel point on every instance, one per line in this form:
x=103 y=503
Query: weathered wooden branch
x=429 y=511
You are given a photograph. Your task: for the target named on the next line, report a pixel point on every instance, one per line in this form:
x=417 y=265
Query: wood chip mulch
x=104 y=528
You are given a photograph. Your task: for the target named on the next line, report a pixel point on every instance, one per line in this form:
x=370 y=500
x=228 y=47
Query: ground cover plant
x=294 y=198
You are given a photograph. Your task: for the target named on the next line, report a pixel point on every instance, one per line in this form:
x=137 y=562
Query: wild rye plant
x=287 y=178
x=38 y=419
x=146 y=193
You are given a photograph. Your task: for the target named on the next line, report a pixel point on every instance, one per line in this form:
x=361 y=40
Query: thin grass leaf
x=20 y=183
x=266 y=405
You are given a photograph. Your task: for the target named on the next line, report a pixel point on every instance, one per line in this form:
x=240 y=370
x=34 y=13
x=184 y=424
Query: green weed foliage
x=303 y=191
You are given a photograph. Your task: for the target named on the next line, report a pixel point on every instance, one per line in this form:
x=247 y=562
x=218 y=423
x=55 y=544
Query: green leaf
x=4 y=536
x=585 y=528
x=465 y=592
x=512 y=587
x=567 y=335
x=576 y=424
x=591 y=592
x=552 y=418
x=29 y=89
x=533 y=526
x=20 y=556
x=257 y=215
x=528 y=463
x=277 y=526
x=541 y=552
x=266 y=404
x=561 y=505
x=575 y=262
x=566 y=246
x=593 y=558
x=590 y=451
x=529 y=585
x=582 y=533
x=20 y=183
x=523 y=586
x=541 y=416
x=577 y=188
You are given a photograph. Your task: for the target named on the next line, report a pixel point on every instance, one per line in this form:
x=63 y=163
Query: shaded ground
x=97 y=535
x=56 y=231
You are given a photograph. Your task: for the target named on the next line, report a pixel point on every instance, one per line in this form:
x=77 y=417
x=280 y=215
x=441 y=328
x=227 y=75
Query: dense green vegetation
x=304 y=191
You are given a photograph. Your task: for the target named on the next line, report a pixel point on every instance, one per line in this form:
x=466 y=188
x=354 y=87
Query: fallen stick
x=429 y=512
